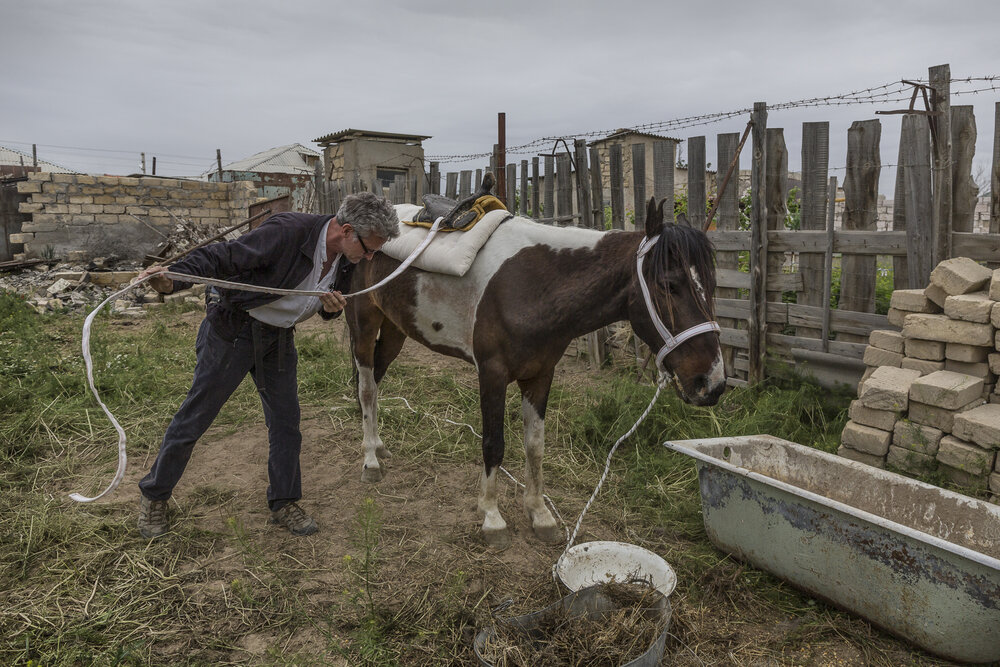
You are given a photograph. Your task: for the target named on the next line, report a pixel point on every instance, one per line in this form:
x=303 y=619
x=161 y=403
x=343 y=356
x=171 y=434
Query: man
x=252 y=332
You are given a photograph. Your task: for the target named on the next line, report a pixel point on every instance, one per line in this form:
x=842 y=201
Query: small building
x=285 y=170
x=364 y=156
x=15 y=164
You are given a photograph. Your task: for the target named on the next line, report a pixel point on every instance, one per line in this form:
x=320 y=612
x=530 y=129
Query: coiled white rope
x=88 y=324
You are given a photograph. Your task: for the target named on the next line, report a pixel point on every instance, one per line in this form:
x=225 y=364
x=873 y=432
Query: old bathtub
x=918 y=561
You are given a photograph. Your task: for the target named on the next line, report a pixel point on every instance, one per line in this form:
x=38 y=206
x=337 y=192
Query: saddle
x=459 y=215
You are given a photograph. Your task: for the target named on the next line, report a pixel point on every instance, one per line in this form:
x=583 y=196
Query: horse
x=530 y=291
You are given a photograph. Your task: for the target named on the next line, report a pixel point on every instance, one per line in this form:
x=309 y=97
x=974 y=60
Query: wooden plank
x=510 y=184
x=582 y=176
x=451 y=185
x=995 y=175
x=535 y=189
x=464 y=183
x=782 y=282
x=940 y=121
x=435 y=180
x=776 y=175
x=739 y=338
x=915 y=148
x=639 y=184
x=523 y=200
x=831 y=216
x=847 y=350
x=617 y=186
x=726 y=219
x=857 y=272
x=758 y=247
x=564 y=185
x=815 y=170
x=549 y=202
x=596 y=190
x=400 y=184
x=964 y=191
x=478 y=180
x=980 y=247
x=900 y=272
x=697 y=208
x=664 y=158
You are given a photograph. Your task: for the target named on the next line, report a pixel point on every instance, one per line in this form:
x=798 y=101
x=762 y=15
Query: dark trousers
x=269 y=355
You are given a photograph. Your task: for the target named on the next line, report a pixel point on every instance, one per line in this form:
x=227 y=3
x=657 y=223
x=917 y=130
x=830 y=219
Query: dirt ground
x=429 y=534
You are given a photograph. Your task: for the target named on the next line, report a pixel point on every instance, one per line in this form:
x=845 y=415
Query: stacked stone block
x=927 y=400
x=75 y=211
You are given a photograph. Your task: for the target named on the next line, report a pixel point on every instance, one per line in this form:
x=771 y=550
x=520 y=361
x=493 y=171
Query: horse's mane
x=683 y=247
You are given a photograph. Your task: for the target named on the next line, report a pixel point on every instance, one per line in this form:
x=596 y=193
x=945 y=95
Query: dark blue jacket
x=279 y=253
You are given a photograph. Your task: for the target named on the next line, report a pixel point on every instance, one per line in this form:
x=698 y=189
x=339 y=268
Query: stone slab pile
x=928 y=400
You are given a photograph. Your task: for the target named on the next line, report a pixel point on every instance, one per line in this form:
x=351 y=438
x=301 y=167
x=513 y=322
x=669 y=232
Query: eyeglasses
x=362 y=242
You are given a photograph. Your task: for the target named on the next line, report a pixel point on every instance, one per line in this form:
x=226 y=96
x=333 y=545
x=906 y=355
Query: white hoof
x=497 y=538
x=371 y=474
x=548 y=534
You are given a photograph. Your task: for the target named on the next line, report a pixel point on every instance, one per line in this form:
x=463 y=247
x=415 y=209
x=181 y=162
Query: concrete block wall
x=928 y=401
x=124 y=215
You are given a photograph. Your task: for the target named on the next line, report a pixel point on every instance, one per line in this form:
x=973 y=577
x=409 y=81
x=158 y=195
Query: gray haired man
x=253 y=332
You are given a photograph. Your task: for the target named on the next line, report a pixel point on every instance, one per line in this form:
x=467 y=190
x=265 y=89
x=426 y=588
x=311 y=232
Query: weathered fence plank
x=995 y=175
x=596 y=190
x=696 y=210
x=940 y=121
x=831 y=219
x=857 y=273
x=964 y=191
x=758 y=248
x=582 y=184
x=728 y=218
x=564 y=186
x=435 y=179
x=523 y=202
x=900 y=272
x=915 y=148
x=535 y=181
x=550 y=187
x=451 y=185
x=510 y=184
x=464 y=183
x=815 y=171
x=639 y=185
x=664 y=157
x=617 y=186
x=776 y=189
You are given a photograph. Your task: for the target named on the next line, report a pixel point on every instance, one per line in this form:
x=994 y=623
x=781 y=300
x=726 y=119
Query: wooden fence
x=775 y=283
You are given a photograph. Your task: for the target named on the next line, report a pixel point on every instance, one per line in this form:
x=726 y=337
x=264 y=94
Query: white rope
x=88 y=324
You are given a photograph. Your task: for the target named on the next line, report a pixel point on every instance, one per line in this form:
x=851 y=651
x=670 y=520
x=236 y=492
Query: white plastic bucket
x=600 y=562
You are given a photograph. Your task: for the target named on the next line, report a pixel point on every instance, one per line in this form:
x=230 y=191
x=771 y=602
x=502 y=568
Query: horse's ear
x=682 y=219
x=654 y=218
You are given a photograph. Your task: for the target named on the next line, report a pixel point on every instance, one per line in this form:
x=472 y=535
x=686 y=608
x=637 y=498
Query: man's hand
x=161 y=284
x=333 y=302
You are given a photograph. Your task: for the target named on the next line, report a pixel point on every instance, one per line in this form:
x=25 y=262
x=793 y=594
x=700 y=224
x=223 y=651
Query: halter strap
x=670 y=342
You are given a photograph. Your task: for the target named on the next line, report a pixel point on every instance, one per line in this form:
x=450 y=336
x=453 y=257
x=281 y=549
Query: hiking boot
x=152 y=517
x=294 y=519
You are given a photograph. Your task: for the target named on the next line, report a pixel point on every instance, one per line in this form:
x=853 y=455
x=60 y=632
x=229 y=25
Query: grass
x=80 y=587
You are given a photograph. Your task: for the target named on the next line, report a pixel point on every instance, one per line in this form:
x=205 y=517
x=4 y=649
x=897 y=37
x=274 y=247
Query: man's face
x=357 y=247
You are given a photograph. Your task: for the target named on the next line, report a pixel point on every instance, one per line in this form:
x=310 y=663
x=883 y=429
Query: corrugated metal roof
x=9 y=156
x=288 y=159
x=351 y=133
x=625 y=132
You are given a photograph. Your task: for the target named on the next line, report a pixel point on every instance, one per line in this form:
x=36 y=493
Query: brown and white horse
x=531 y=290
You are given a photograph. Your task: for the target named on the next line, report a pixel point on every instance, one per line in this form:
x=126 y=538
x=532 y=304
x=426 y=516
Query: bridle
x=670 y=342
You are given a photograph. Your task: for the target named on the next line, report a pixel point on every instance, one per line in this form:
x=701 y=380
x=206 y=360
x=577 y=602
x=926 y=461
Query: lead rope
x=88 y=324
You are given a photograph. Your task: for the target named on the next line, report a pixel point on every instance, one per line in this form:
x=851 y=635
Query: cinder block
x=995 y=285
x=965 y=456
x=866 y=439
x=861 y=457
x=946 y=389
x=936 y=294
x=29 y=187
x=980 y=370
x=967 y=353
x=940 y=418
x=910 y=461
x=896 y=317
x=980 y=425
x=877 y=357
x=880 y=419
x=931 y=350
x=22 y=237
x=972 y=483
x=947 y=330
x=975 y=307
x=916 y=437
x=960 y=275
x=888 y=388
x=925 y=367
x=913 y=301
x=884 y=339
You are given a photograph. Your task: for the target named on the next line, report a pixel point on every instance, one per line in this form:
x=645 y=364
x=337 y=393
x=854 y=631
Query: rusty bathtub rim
x=933 y=540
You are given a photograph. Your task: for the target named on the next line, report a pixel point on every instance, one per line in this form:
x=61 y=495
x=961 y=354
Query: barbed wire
x=896 y=91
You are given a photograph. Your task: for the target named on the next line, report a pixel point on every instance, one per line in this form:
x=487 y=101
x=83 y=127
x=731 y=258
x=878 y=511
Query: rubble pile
x=928 y=399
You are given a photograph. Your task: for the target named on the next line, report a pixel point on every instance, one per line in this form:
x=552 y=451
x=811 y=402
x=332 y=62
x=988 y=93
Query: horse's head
x=678 y=278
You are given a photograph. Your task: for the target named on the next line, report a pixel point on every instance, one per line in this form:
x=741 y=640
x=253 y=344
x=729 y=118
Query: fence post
x=964 y=189
x=857 y=272
x=451 y=185
x=900 y=267
x=696 y=182
x=758 y=248
x=728 y=219
x=815 y=170
x=596 y=190
x=915 y=163
x=940 y=121
x=995 y=175
x=564 y=192
x=828 y=261
x=511 y=184
x=535 y=187
x=550 y=186
x=639 y=185
x=435 y=179
x=464 y=183
x=523 y=207
x=776 y=193
x=663 y=174
x=582 y=184
x=617 y=186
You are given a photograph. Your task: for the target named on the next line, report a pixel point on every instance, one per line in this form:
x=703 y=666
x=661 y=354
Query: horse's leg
x=387 y=347
x=366 y=322
x=492 y=391
x=534 y=397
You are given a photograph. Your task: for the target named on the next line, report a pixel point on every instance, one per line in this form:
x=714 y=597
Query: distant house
x=365 y=156
x=285 y=170
x=14 y=164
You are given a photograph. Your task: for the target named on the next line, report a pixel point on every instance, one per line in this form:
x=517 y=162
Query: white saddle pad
x=450 y=252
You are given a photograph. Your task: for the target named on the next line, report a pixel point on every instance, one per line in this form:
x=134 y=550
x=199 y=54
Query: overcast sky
x=95 y=83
